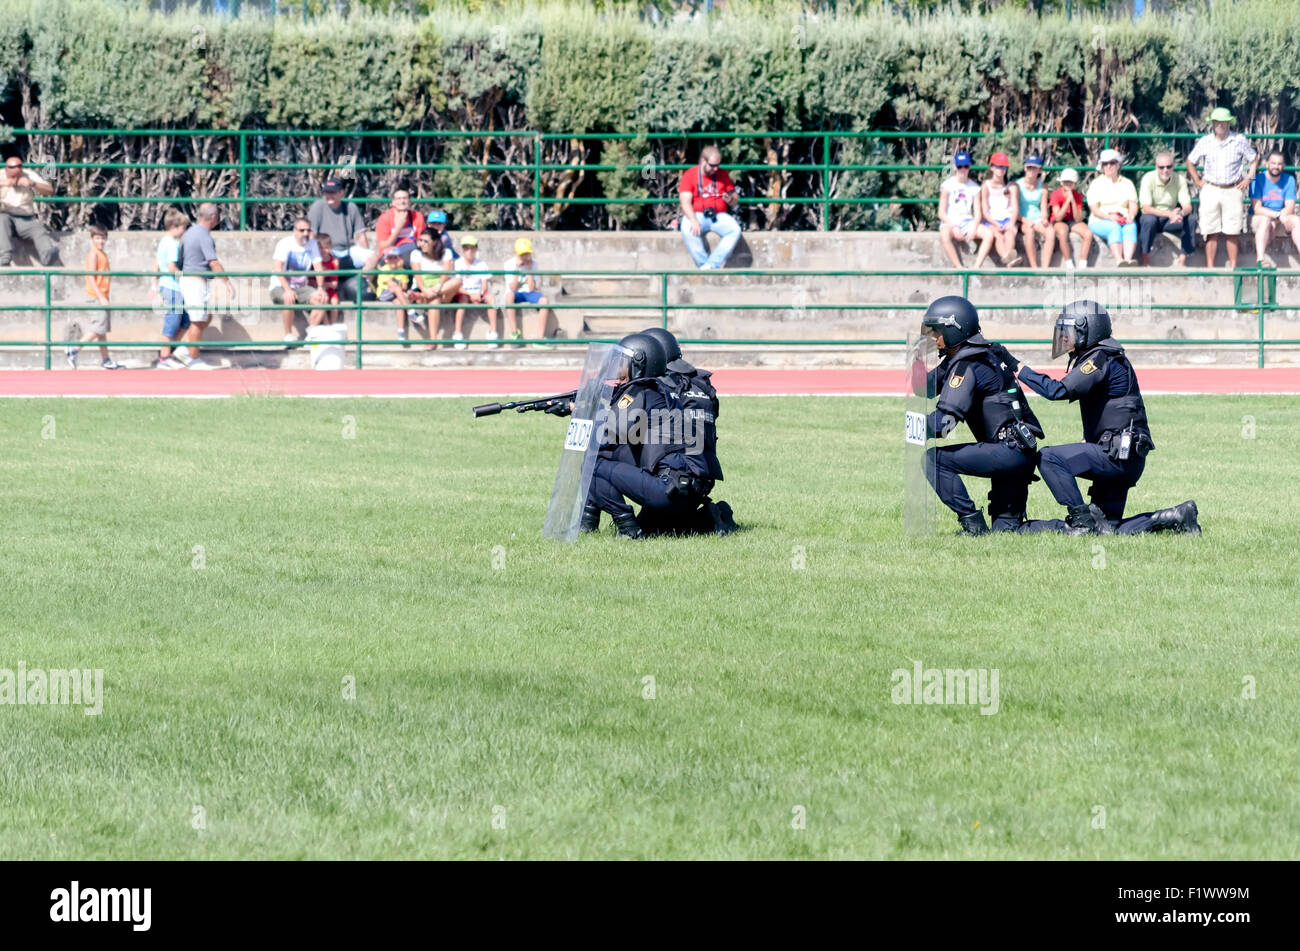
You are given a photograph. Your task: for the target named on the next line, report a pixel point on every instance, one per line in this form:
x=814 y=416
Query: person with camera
x=707 y=195
x=1116 y=434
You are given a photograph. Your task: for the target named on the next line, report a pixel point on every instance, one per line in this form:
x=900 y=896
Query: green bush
x=763 y=66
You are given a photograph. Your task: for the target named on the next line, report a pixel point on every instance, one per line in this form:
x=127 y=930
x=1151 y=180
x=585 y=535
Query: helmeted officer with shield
x=1116 y=433
x=975 y=383
x=642 y=456
x=692 y=397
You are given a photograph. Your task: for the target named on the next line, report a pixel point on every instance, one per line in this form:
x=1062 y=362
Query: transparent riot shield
x=921 y=506
x=605 y=364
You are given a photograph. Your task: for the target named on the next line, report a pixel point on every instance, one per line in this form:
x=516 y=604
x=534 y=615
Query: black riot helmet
x=672 y=349
x=646 y=358
x=1082 y=324
x=953 y=318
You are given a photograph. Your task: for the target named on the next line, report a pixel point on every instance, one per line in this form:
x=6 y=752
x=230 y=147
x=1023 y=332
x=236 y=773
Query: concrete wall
x=793 y=304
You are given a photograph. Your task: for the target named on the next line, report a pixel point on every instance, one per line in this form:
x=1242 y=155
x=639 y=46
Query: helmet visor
x=1064 y=337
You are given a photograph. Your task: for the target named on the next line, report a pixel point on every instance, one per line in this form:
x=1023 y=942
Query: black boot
x=973 y=524
x=1104 y=527
x=1081 y=521
x=723 y=523
x=590 y=518
x=1180 y=518
x=627 y=526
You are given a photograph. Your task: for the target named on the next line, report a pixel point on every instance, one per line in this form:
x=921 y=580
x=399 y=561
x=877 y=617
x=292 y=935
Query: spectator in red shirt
x=707 y=193
x=1066 y=214
x=399 y=228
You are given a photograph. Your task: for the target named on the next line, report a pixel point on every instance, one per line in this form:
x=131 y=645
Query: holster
x=683 y=484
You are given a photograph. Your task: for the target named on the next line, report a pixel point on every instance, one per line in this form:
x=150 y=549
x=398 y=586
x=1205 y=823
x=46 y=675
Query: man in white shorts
x=198 y=264
x=1224 y=185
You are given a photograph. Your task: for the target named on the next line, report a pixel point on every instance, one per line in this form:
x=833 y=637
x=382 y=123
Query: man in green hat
x=1229 y=163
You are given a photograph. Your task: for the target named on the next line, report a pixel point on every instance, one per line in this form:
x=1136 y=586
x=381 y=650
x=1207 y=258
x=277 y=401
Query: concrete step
x=610 y=286
x=619 y=325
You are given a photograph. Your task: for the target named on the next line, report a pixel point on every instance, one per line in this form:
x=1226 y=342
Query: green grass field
x=499 y=678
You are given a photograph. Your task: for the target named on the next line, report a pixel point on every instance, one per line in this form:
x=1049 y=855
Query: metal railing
x=1262 y=280
x=819 y=186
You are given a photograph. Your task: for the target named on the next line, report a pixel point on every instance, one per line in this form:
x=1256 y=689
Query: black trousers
x=1009 y=470
x=1151 y=225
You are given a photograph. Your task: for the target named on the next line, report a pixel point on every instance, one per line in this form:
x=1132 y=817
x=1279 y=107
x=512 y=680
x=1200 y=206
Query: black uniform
x=1103 y=381
x=976 y=385
x=695 y=402
x=644 y=459
x=1116 y=433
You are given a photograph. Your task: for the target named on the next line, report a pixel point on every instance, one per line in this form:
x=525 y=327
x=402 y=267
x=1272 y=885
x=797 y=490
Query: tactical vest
x=1104 y=414
x=695 y=398
x=642 y=424
x=1008 y=405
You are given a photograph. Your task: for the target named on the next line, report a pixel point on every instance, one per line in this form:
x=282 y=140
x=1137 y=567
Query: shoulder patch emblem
x=626 y=401
x=956 y=380
x=1088 y=367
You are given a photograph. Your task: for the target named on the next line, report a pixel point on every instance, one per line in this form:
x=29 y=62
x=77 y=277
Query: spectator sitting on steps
x=959 y=203
x=1065 y=206
x=296 y=256
x=707 y=193
x=18 y=218
x=1273 y=197
x=1166 y=205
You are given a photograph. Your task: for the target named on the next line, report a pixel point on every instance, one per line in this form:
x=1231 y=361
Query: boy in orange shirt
x=96 y=293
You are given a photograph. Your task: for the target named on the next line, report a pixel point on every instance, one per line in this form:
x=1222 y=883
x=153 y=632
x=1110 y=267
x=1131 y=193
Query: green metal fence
x=1262 y=281
x=819 y=186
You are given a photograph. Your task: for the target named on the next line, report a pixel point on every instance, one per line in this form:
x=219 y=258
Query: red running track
x=496 y=382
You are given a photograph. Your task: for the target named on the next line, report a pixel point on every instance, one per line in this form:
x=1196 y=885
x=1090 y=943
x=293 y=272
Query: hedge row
x=94 y=64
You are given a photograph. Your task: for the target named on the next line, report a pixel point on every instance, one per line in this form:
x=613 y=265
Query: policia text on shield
x=643 y=428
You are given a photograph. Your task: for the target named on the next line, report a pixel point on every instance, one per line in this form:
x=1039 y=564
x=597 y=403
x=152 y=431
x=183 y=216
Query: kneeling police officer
x=977 y=385
x=690 y=392
x=642 y=460
x=1116 y=434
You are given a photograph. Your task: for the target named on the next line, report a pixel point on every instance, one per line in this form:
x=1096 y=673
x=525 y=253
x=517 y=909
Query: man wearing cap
x=1065 y=206
x=341 y=219
x=522 y=288
x=474 y=289
x=1033 y=212
x=707 y=193
x=1166 y=205
x=1230 y=163
x=1113 y=209
x=438 y=225
x=959 y=208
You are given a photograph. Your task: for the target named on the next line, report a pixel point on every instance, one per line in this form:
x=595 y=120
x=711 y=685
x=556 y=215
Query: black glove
x=1005 y=356
x=559 y=408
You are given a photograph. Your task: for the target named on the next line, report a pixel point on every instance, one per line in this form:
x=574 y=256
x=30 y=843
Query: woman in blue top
x=1034 y=226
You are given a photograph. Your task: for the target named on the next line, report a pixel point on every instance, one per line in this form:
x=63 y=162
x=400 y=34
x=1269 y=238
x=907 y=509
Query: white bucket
x=326 y=349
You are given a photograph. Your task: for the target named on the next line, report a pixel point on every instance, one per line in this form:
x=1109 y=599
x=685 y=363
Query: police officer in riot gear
x=642 y=458
x=976 y=384
x=1116 y=434
x=690 y=391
